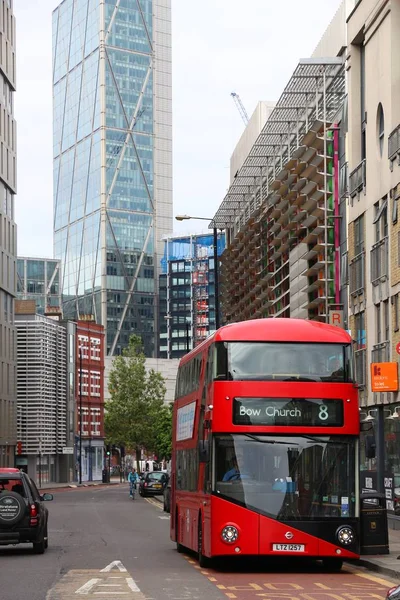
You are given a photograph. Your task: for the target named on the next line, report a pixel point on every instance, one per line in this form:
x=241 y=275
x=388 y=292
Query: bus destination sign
x=305 y=412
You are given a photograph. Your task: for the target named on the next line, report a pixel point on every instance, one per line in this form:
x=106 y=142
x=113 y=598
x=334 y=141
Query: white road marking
x=168 y=518
x=132 y=585
x=85 y=589
x=115 y=564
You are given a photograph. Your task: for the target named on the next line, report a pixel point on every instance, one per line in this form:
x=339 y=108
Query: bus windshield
x=288 y=477
x=281 y=361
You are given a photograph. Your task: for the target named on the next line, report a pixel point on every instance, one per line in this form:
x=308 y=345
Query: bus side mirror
x=370 y=446
x=204 y=451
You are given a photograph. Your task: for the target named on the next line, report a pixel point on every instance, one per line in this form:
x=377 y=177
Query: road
x=103 y=545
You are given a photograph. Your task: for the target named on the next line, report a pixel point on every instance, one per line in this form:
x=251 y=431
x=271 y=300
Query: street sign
x=67 y=450
x=398 y=348
x=336 y=317
x=384 y=377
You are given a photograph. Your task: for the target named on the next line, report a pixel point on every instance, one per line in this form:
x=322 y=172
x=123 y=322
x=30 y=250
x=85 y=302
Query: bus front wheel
x=333 y=565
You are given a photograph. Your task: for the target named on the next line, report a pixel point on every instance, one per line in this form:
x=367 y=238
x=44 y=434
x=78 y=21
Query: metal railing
x=394 y=143
x=380 y=352
x=358 y=178
x=380 y=261
x=360 y=357
x=357 y=274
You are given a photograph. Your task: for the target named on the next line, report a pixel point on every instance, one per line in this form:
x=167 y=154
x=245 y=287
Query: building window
x=359 y=235
x=386 y=320
x=395 y=302
x=380 y=128
x=361 y=338
x=344 y=270
x=95 y=349
x=396 y=196
x=380 y=220
x=378 y=324
x=83 y=342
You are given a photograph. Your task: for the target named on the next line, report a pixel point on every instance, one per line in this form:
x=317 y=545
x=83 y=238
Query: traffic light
x=108 y=449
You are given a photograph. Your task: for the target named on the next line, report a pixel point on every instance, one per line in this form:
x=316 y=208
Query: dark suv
x=23 y=516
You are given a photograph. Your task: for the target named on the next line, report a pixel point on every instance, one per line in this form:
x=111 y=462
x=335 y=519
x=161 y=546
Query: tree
x=137 y=398
x=163 y=439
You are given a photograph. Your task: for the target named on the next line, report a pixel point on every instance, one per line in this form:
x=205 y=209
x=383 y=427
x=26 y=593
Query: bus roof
x=274 y=330
x=282 y=330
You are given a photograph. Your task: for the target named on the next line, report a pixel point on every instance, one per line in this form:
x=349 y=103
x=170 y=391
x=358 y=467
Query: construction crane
x=240 y=107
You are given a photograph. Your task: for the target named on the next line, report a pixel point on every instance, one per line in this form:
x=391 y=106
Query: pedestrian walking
x=133 y=478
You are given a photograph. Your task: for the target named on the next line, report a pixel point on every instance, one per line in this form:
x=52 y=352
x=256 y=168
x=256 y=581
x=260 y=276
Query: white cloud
x=228 y=45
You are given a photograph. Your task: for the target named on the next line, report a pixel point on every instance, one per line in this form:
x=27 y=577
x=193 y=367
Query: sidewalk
x=75 y=484
x=387 y=564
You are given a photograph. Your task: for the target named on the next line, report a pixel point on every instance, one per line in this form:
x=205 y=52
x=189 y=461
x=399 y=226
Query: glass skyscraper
x=112 y=161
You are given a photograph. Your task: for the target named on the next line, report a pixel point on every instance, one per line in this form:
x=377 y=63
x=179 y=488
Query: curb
x=371 y=566
x=70 y=486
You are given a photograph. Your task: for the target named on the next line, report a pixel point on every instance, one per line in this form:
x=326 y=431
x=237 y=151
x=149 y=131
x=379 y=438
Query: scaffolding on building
x=279 y=212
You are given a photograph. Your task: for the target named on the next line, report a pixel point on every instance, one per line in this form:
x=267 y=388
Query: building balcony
x=380 y=261
x=394 y=144
x=360 y=357
x=358 y=178
x=380 y=352
x=357 y=274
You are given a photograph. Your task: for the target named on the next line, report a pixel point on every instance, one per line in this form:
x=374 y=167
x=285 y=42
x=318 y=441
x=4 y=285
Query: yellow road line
x=154 y=503
x=380 y=580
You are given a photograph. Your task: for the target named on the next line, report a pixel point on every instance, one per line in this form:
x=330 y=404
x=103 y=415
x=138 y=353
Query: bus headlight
x=230 y=534
x=345 y=535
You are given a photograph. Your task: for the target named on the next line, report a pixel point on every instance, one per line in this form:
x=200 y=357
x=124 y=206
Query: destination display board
x=305 y=412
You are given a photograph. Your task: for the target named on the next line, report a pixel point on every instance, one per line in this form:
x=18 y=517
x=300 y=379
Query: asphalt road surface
x=104 y=545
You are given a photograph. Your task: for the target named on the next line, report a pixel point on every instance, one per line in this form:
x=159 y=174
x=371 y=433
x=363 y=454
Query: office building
x=42 y=394
x=8 y=237
x=39 y=279
x=89 y=362
x=374 y=222
x=187 y=292
x=112 y=161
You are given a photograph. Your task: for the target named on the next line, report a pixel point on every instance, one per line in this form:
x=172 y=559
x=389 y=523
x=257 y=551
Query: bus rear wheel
x=203 y=560
x=179 y=547
x=333 y=565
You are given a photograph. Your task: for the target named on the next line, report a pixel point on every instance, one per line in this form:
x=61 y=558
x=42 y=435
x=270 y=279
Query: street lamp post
x=216 y=274
x=80 y=415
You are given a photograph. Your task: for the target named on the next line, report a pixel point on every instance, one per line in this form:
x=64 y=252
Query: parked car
x=153 y=483
x=23 y=515
x=167 y=495
x=393 y=593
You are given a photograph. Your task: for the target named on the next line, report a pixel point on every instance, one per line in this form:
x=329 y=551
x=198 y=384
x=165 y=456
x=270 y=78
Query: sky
x=250 y=48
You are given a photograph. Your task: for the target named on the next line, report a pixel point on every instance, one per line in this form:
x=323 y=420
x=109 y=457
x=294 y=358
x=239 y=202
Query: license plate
x=288 y=547
x=157 y=485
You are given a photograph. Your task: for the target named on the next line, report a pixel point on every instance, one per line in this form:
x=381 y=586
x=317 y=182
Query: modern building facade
x=42 y=394
x=39 y=279
x=282 y=211
x=112 y=161
x=8 y=236
x=187 y=292
x=374 y=221
x=89 y=393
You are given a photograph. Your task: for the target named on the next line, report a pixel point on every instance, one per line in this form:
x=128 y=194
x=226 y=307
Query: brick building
x=90 y=392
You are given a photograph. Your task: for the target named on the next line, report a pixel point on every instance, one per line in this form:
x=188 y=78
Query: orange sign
x=384 y=377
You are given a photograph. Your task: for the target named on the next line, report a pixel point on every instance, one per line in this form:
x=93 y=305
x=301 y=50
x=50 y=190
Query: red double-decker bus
x=265 y=444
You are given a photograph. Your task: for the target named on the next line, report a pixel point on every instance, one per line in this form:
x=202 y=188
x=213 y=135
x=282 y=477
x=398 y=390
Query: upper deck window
x=280 y=361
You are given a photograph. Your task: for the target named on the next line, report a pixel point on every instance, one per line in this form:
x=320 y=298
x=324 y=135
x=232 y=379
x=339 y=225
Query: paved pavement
x=387 y=564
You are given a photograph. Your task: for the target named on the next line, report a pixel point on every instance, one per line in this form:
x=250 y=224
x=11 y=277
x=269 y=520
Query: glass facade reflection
x=112 y=161
x=187 y=292
x=39 y=279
